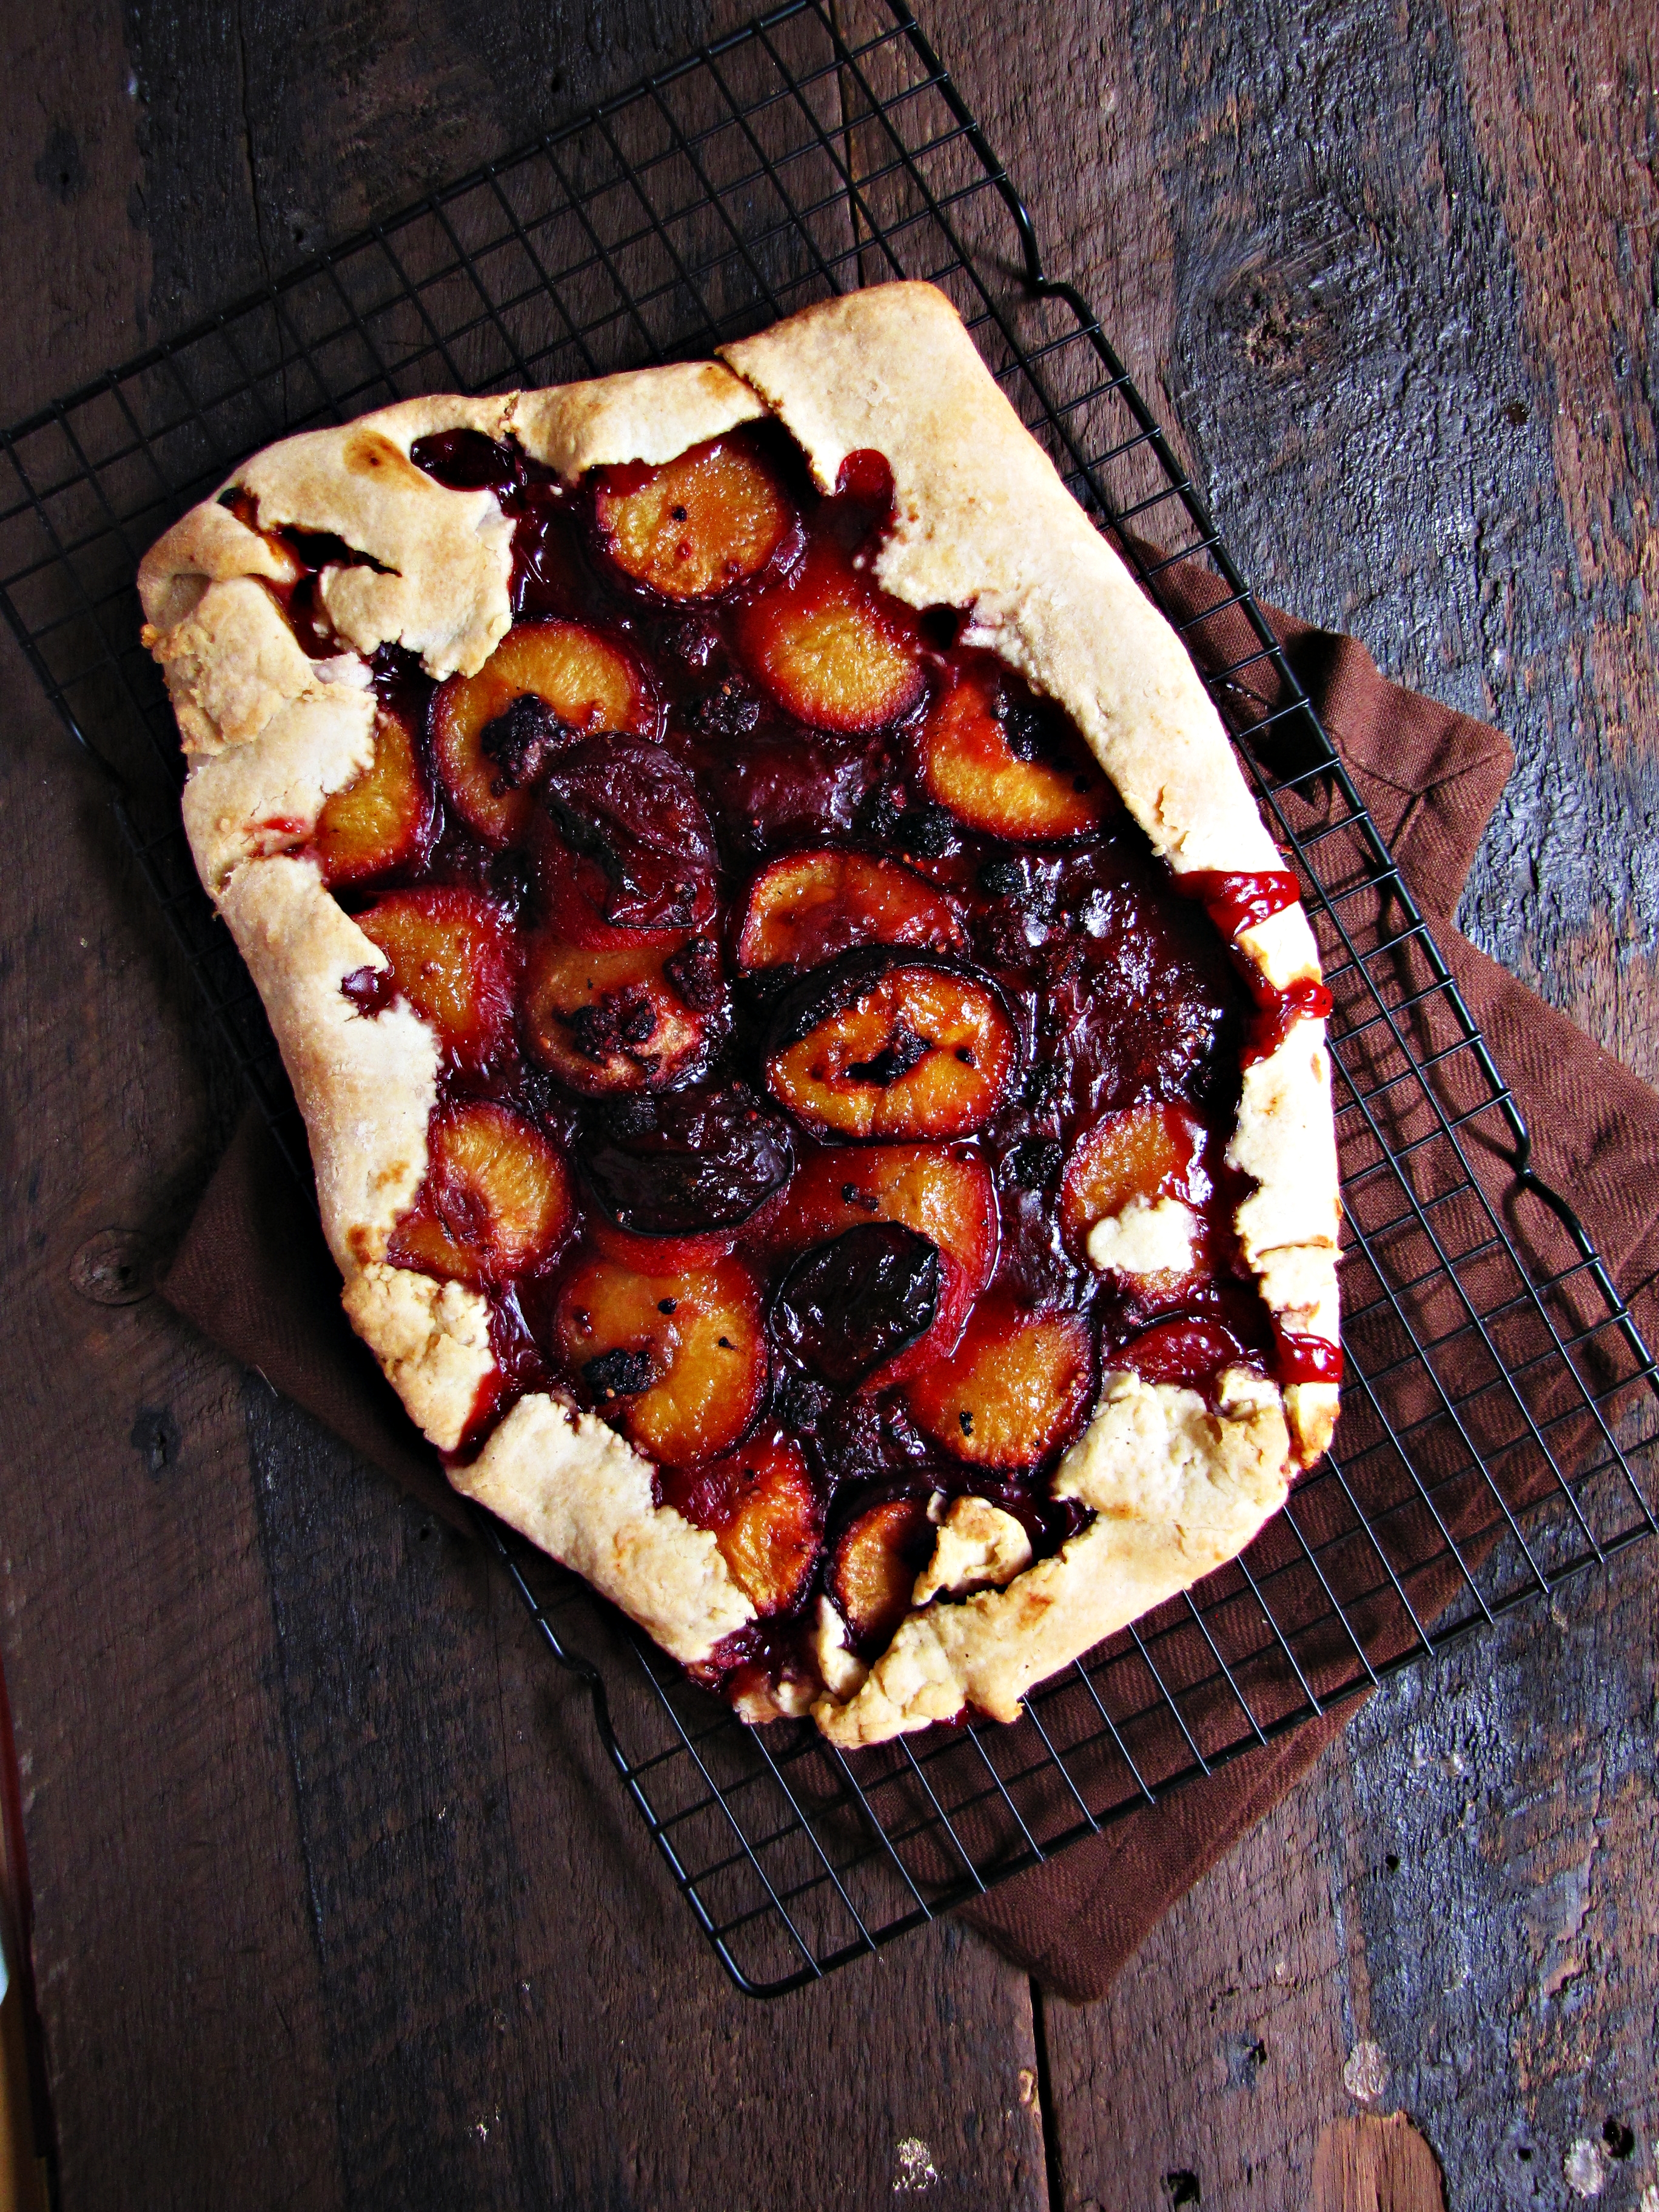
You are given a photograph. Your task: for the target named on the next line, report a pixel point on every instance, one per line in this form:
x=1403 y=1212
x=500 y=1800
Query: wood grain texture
x=1390 y=277
x=336 y=1900
x=1567 y=132
x=516 y=2010
x=1453 y=1917
x=1368 y=2165
x=1388 y=274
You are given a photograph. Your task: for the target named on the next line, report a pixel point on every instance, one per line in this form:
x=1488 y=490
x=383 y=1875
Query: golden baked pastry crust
x=980 y=522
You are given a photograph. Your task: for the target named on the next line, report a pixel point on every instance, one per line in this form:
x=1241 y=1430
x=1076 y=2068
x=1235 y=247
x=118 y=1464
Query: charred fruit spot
x=695 y=973
x=520 y=742
x=1026 y=730
x=1001 y=878
x=1032 y=1163
x=733 y=711
x=927 y=830
x=882 y=811
x=621 y=1019
x=1045 y=1085
x=618 y=1374
x=903 y=1051
x=848 y=1307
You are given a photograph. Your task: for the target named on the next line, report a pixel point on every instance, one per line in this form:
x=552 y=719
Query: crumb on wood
x=1584 y=2168
x=1366 y=2077
x=915 y=2170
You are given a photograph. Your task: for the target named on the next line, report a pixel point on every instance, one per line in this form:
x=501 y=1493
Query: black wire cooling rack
x=1499 y=1400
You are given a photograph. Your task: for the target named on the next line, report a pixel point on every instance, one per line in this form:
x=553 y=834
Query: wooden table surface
x=334 y=1900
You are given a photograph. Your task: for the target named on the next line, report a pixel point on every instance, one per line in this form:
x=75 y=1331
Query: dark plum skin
x=686 y=1162
x=627 y=805
x=467 y=460
x=845 y=1307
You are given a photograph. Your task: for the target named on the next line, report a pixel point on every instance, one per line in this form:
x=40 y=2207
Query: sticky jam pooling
x=809 y=1006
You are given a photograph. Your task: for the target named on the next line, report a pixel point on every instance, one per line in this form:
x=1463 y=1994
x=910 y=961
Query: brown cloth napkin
x=254 y=1275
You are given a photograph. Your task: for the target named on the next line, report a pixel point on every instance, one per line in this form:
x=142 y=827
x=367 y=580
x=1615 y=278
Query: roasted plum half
x=880 y=1044
x=496 y=1200
x=1018 y=1386
x=546 y=684
x=383 y=819
x=1007 y=763
x=676 y=1361
x=453 y=955
x=1145 y=1152
x=873 y=1569
x=808 y=906
x=946 y=1196
x=850 y=1309
x=618 y=1020
x=825 y=648
x=759 y=1505
x=627 y=852
x=696 y=526
x=686 y=1162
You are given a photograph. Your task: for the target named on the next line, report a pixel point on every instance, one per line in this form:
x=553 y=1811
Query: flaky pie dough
x=980 y=522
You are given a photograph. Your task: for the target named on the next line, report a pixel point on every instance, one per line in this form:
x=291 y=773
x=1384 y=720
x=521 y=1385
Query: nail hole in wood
x=113 y=1268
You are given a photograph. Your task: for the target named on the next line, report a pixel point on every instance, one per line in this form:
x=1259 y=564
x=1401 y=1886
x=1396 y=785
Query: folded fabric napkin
x=254 y=1276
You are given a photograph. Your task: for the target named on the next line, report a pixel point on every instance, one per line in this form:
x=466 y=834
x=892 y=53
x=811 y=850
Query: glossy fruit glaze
x=808 y=998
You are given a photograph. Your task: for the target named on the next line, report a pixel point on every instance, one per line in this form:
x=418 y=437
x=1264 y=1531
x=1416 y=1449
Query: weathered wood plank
x=138 y=1643
x=1384 y=275
x=139 y=1640
x=518 y=2007
x=1564 y=128
x=336 y=1898
x=1453 y=1917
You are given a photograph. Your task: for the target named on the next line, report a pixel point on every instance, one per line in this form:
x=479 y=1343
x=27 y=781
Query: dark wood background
x=334 y=1901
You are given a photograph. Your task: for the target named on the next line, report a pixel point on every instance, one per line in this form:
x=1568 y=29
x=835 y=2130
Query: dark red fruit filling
x=806 y=999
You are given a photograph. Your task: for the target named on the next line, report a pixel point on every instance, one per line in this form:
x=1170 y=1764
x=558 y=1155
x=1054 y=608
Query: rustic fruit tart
x=814 y=1067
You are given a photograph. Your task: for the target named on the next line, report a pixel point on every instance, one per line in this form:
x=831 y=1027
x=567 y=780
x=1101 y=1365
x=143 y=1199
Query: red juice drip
x=1307 y=1358
x=1237 y=902
x=1278 y=1014
x=866 y=477
x=371 y=990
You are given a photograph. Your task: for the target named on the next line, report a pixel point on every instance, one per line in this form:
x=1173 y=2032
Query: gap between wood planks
x=1051 y=2164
